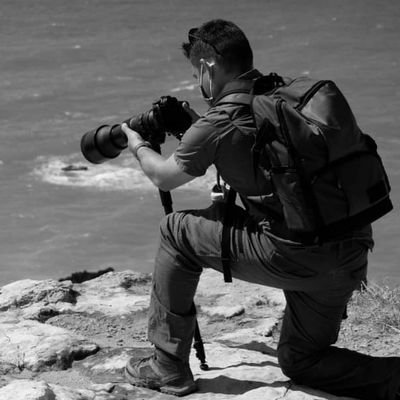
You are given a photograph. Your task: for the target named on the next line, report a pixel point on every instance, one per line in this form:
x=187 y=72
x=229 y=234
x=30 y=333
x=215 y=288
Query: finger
x=193 y=114
x=128 y=131
x=186 y=107
x=125 y=128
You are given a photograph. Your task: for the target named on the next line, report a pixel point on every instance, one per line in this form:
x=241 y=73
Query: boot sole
x=167 y=389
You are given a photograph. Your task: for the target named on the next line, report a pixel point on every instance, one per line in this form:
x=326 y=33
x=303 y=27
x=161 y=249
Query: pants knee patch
x=171 y=332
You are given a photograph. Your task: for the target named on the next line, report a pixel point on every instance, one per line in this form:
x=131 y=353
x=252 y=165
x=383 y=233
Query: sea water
x=67 y=67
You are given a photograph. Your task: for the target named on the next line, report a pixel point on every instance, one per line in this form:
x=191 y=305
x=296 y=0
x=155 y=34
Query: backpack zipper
x=297 y=162
x=310 y=93
x=285 y=135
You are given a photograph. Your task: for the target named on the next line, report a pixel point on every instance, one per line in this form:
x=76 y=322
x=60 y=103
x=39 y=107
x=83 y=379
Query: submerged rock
x=74 y=167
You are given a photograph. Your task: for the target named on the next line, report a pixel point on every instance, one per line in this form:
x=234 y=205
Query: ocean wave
x=123 y=174
x=185 y=85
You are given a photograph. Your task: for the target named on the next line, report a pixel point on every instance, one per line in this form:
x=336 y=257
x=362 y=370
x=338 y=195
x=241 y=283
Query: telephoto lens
x=107 y=142
x=104 y=143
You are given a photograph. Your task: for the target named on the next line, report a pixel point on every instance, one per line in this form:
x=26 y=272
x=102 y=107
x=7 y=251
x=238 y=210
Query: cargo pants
x=317 y=282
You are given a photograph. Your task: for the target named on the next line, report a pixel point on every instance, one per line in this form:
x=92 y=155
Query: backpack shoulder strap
x=236 y=92
x=242 y=91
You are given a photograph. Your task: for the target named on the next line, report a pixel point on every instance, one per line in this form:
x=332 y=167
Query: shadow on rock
x=244 y=364
x=253 y=345
x=225 y=385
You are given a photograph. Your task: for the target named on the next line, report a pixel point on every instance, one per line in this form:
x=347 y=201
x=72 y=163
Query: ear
x=208 y=63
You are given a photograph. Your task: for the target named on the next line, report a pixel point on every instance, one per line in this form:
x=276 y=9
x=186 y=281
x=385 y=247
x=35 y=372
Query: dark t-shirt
x=224 y=137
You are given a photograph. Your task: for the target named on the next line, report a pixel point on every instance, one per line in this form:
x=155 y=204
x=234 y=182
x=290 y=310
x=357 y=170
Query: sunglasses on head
x=193 y=37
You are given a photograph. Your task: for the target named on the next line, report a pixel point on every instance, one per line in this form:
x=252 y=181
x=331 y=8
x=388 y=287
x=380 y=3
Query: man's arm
x=164 y=173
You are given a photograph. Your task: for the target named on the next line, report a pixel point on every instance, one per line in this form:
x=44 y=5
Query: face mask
x=208 y=98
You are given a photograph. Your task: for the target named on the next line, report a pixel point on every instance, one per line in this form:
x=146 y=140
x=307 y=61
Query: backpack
x=326 y=173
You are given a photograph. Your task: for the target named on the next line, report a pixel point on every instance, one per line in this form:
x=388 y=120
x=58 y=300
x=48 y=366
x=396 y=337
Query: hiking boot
x=161 y=372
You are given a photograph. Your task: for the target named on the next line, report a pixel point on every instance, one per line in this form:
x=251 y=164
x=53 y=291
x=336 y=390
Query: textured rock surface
x=111 y=294
x=84 y=333
x=35 y=346
x=114 y=294
x=23 y=389
x=28 y=292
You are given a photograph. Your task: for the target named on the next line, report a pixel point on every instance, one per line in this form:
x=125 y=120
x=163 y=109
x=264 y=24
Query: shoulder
x=218 y=114
x=210 y=124
x=216 y=122
x=201 y=130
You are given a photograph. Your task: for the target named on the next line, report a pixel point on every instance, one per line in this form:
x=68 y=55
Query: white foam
x=184 y=85
x=122 y=174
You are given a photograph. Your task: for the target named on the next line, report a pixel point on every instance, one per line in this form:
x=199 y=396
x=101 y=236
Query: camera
x=166 y=116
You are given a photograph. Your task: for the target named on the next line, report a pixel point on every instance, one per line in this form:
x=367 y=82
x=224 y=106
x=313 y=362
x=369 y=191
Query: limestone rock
x=266 y=326
x=24 y=389
x=36 y=346
x=238 y=293
x=109 y=364
x=114 y=293
x=238 y=372
x=246 y=373
x=102 y=387
x=66 y=393
x=224 y=311
x=242 y=359
x=27 y=292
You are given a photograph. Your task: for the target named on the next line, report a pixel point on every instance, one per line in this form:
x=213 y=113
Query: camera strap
x=166 y=201
x=226 y=235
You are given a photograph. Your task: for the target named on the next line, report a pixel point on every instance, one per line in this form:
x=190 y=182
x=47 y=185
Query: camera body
x=166 y=116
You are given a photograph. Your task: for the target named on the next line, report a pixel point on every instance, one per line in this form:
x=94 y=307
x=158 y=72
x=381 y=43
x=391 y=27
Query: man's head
x=220 y=48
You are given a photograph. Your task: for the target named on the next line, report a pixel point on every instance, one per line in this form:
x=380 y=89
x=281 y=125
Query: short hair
x=223 y=40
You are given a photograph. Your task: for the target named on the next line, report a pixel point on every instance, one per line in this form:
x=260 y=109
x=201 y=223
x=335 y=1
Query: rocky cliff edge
x=70 y=341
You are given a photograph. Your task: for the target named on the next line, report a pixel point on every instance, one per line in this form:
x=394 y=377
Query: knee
x=168 y=225
x=171 y=229
x=285 y=360
x=293 y=363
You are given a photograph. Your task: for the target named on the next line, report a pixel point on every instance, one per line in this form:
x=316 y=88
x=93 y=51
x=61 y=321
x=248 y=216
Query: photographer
x=318 y=280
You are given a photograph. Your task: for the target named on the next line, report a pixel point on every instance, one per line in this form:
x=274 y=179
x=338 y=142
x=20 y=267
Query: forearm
x=151 y=164
x=166 y=174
